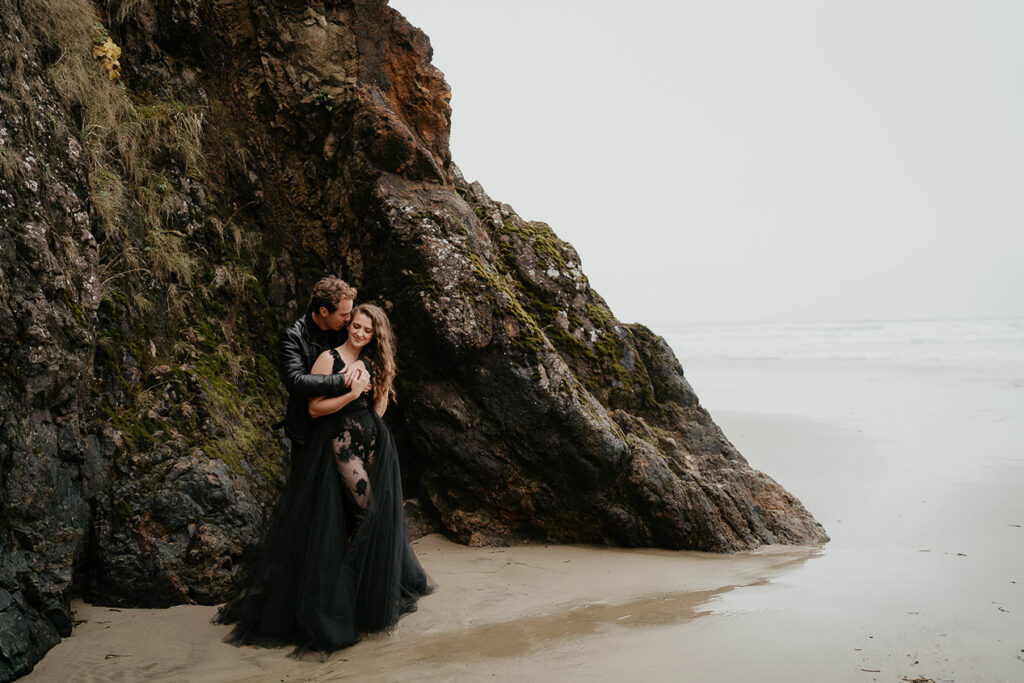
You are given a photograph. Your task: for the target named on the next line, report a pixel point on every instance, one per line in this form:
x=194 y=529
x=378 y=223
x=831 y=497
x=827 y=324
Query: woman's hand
x=361 y=383
x=354 y=371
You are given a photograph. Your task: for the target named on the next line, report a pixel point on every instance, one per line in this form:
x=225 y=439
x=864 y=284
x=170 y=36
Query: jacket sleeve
x=296 y=377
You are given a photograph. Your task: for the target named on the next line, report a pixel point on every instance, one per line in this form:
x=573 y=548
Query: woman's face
x=360 y=330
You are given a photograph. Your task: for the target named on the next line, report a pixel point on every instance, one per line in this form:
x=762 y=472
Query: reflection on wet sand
x=567 y=620
x=520 y=636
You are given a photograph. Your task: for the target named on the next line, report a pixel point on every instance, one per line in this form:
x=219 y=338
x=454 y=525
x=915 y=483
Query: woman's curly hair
x=380 y=351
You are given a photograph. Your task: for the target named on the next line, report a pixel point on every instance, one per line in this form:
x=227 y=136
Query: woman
x=335 y=561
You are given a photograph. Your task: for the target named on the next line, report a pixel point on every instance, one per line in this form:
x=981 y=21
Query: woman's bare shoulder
x=324 y=363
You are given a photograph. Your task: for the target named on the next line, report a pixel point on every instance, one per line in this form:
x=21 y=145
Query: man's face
x=340 y=316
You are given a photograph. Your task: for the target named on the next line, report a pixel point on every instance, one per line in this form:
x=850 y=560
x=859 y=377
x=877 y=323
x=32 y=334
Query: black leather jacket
x=300 y=345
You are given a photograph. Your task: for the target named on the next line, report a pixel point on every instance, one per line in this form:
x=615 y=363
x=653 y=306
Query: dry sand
x=915 y=471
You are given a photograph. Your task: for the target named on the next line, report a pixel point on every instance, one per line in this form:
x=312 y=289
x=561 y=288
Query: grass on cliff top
x=10 y=163
x=134 y=148
x=181 y=306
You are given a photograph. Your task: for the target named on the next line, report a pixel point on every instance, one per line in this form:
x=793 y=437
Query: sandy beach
x=915 y=469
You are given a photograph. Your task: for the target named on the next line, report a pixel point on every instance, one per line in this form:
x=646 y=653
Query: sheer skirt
x=335 y=562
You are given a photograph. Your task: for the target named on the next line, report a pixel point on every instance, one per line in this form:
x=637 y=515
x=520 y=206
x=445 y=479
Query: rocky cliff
x=174 y=174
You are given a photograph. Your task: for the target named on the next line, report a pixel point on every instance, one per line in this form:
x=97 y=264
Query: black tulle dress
x=335 y=562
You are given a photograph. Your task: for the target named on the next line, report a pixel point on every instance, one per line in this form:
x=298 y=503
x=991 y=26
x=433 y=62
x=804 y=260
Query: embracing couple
x=335 y=562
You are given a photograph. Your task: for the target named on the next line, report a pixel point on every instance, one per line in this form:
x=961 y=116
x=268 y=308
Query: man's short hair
x=329 y=292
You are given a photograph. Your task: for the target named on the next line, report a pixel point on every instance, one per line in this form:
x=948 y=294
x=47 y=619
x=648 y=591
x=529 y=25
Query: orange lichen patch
x=146 y=529
x=108 y=53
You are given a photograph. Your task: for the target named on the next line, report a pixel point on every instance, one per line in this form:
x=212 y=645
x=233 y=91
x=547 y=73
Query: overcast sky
x=740 y=161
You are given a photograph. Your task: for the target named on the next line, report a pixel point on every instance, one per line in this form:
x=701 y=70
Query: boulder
x=162 y=220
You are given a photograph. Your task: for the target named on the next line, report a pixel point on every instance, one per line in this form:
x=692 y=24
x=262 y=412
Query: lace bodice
x=366 y=399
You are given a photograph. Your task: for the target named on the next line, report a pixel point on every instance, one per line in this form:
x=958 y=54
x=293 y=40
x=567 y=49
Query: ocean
x=904 y=341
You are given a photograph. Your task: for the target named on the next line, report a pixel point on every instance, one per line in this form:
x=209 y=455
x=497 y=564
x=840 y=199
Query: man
x=321 y=327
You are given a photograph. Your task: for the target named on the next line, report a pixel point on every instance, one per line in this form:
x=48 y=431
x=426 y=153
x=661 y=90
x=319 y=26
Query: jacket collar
x=313 y=330
x=324 y=338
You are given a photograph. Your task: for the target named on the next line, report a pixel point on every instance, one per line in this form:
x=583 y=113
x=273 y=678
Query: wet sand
x=915 y=471
x=498 y=610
